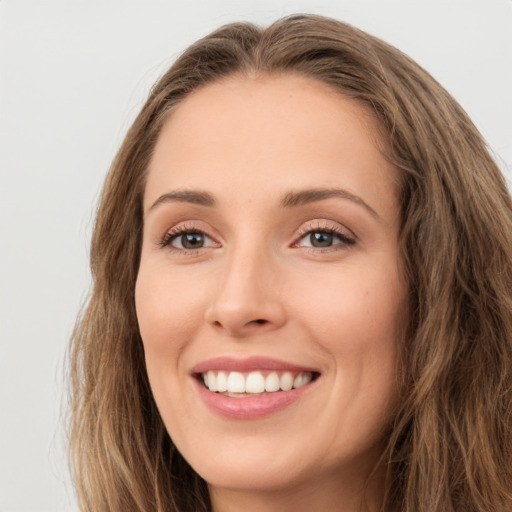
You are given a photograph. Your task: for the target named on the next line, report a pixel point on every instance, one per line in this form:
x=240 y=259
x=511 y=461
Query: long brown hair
x=450 y=447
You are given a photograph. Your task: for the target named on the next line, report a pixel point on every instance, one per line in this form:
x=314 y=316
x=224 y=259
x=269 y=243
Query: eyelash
x=178 y=231
x=346 y=241
x=184 y=229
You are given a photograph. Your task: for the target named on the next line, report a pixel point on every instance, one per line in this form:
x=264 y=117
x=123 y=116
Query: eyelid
x=323 y=225
x=165 y=242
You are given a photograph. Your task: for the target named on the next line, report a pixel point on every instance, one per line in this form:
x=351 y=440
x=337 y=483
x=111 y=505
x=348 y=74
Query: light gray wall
x=73 y=74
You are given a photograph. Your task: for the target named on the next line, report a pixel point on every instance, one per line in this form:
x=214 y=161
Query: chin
x=252 y=476
x=253 y=463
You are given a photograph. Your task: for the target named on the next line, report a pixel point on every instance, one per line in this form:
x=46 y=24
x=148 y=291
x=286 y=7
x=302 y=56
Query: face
x=269 y=291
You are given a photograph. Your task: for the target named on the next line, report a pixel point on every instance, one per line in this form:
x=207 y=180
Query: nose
x=248 y=298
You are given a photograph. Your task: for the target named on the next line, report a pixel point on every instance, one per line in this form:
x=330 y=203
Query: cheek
x=168 y=311
x=168 y=315
x=352 y=309
x=356 y=316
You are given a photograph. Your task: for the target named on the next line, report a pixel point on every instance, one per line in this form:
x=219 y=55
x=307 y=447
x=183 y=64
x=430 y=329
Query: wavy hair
x=450 y=446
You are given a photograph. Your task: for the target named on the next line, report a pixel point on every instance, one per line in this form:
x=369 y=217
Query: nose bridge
x=247 y=296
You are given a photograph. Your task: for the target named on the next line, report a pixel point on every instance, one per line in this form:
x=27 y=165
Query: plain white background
x=73 y=74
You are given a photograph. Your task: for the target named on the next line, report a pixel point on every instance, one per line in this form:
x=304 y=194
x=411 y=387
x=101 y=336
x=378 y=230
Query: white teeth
x=222 y=382
x=302 y=379
x=254 y=382
x=286 y=381
x=236 y=383
x=211 y=381
x=272 y=382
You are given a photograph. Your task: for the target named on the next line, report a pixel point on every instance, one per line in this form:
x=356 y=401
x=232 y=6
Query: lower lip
x=251 y=407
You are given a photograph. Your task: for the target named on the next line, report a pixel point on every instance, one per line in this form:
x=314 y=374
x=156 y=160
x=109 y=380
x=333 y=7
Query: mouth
x=251 y=388
x=237 y=384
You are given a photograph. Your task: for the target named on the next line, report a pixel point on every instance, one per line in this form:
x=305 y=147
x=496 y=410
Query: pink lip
x=249 y=408
x=248 y=364
x=253 y=407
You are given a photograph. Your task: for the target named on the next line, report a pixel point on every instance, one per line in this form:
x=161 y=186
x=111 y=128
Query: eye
x=193 y=240
x=187 y=240
x=324 y=239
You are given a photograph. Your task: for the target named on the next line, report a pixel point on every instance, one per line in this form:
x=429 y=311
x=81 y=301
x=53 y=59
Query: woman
x=302 y=267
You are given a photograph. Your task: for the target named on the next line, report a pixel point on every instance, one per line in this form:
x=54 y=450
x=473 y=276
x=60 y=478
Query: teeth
x=254 y=382
x=222 y=382
x=211 y=381
x=236 y=383
x=286 y=381
x=301 y=380
x=272 y=382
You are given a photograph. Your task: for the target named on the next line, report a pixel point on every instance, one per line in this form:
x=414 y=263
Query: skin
x=257 y=286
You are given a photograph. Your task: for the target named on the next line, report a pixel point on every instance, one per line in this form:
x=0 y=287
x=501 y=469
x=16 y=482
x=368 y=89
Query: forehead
x=248 y=106
x=284 y=130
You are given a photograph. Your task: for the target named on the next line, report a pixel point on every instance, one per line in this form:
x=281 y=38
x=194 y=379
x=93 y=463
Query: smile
x=240 y=384
x=251 y=388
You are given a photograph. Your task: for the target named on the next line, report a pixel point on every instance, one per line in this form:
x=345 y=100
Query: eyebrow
x=290 y=200
x=303 y=197
x=185 y=196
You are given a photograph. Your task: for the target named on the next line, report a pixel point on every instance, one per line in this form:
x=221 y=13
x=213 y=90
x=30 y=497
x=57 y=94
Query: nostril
x=260 y=321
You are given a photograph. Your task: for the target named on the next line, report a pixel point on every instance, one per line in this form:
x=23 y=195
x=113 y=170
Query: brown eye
x=189 y=241
x=320 y=239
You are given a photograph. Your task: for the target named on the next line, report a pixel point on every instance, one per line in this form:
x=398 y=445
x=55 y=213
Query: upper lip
x=248 y=364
